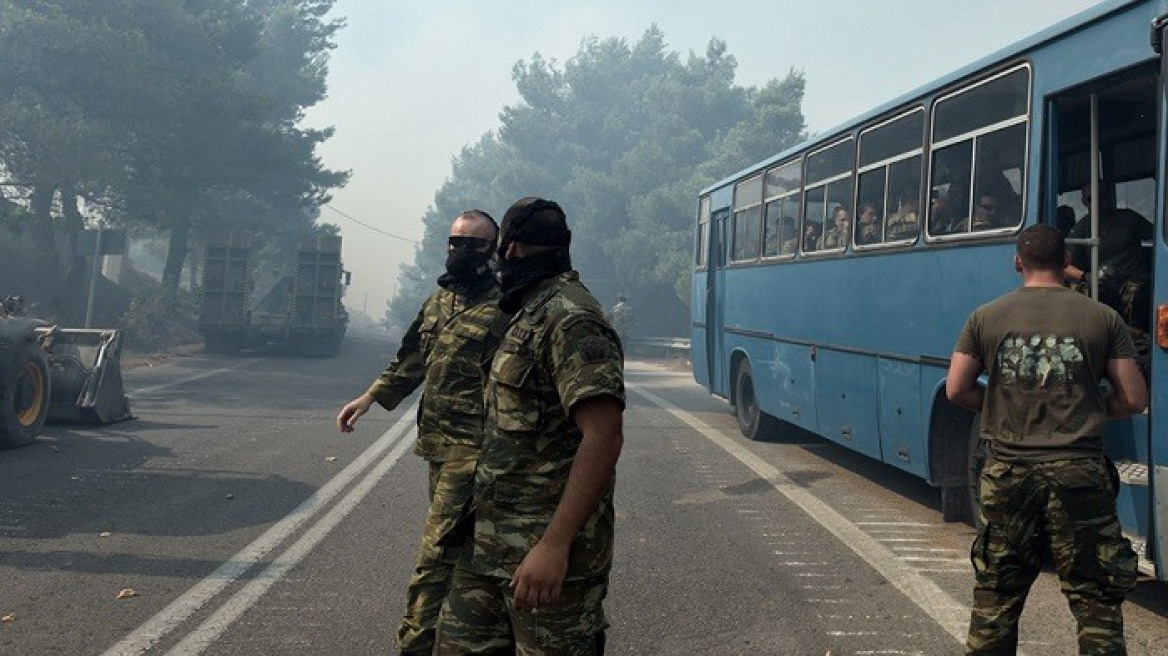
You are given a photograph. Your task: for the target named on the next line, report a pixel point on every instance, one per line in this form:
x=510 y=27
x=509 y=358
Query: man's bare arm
x=1129 y=392
x=961 y=384
x=540 y=576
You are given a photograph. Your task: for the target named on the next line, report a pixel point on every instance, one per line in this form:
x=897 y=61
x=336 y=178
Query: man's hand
x=353 y=411
x=540 y=577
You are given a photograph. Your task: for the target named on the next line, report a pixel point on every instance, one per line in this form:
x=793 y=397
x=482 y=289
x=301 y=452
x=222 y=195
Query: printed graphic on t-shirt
x=1038 y=359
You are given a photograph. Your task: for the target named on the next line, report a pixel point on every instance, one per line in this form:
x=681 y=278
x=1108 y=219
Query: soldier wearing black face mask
x=448 y=347
x=536 y=578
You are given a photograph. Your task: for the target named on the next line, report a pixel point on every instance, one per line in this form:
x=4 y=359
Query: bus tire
x=752 y=421
x=959 y=503
x=24 y=398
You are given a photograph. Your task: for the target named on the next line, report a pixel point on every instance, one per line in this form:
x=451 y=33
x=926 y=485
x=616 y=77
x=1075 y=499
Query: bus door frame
x=715 y=298
x=1158 y=449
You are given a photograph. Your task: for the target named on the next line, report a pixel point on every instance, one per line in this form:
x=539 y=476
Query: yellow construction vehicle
x=60 y=375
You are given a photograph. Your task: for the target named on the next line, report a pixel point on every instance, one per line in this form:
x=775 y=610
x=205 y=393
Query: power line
x=366 y=225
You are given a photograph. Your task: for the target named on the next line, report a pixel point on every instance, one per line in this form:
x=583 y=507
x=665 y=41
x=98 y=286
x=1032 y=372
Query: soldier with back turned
x=1046 y=483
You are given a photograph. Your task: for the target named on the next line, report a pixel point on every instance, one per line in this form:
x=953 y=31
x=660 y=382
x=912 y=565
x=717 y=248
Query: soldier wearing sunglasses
x=448 y=347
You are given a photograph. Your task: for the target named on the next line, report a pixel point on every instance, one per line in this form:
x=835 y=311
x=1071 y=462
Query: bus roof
x=1071 y=24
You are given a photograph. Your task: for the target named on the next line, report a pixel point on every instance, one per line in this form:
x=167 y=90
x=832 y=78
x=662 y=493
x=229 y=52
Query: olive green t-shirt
x=1045 y=350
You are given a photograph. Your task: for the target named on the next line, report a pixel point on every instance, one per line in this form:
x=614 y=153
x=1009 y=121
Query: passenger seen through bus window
x=904 y=222
x=787 y=228
x=985 y=213
x=811 y=237
x=944 y=216
x=837 y=236
x=867 y=224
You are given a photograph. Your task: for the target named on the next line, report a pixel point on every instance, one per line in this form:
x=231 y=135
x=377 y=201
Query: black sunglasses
x=468 y=243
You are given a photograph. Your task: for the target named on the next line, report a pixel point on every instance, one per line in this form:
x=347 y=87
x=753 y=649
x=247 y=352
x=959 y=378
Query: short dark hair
x=482 y=216
x=1042 y=248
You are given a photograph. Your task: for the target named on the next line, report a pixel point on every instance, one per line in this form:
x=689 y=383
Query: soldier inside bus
x=811 y=234
x=986 y=214
x=789 y=234
x=867 y=224
x=1064 y=218
x=1124 y=264
x=904 y=222
x=837 y=236
x=945 y=215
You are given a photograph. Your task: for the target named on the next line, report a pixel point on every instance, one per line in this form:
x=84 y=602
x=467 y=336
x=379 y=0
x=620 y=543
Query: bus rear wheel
x=752 y=421
x=960 y=503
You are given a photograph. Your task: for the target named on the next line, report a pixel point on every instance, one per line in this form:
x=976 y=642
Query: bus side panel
x=901 y=438
x=1126 y=443
x=787 y=384
x=845 y=396
x=698 y=348
x=932 y=385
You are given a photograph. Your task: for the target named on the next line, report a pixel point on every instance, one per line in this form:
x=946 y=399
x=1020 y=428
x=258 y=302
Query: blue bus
x=831 y=280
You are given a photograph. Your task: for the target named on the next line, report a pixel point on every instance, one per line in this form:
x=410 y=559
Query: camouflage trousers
x=1068 y=507
x=451 y=484
x=480 y=617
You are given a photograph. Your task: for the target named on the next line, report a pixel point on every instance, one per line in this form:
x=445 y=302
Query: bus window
x=870 y=206
x=949 y=198
x=827 y=204
x=813 y=208
x=747 y=218
x=746 y=228
x=890 y=180
x=781 y=232
x=979 y=149
x=904 y=200
x=997 y=187
x=703 y=236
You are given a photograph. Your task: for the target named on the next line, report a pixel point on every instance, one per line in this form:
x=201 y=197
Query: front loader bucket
x=85 y=372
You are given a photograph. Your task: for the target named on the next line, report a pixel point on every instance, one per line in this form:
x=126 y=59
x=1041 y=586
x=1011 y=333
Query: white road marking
x=187 y=379
x=210 y=630
x=951 y=615
x=169 y=618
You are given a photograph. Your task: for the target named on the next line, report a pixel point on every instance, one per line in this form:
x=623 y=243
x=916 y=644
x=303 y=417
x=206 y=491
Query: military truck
x=301 y=314
x=54 y=374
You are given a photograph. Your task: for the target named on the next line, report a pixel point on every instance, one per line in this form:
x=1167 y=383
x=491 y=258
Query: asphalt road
x=233 y=518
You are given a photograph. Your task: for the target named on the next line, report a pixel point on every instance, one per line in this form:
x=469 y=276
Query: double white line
x=396 y=441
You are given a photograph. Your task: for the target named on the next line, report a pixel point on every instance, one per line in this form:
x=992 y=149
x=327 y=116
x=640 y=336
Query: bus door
x=1159 y=393
x=716 y=302
x=1106 y=145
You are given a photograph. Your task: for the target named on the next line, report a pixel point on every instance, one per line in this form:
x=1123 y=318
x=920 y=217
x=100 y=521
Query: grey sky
x=411 y=83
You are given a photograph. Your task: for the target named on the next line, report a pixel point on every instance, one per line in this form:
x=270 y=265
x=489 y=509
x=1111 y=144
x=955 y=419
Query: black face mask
x=468 y=266
x=517 y=274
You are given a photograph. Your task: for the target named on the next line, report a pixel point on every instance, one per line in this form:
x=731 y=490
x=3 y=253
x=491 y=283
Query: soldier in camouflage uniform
x=448 y=348
x=1046 y=482
x=543 y=526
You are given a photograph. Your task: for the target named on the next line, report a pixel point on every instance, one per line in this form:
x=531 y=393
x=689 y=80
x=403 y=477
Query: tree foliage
x=623 y=137
x=171 y=116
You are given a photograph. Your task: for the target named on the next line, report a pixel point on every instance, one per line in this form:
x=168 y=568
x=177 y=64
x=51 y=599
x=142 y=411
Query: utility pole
x=93 y=276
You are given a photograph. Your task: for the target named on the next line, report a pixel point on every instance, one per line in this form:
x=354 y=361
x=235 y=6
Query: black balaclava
x=539 y=222
x=468 y=271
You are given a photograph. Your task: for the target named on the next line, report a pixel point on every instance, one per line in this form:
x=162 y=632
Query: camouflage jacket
x=558 y=350
x=448 y=347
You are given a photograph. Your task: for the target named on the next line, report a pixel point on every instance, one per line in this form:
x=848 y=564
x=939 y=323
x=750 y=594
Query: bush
x=160 y=318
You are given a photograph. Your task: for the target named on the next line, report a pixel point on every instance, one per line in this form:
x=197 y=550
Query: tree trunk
x=43 y=230
x=176 y=253
x=73 y=219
